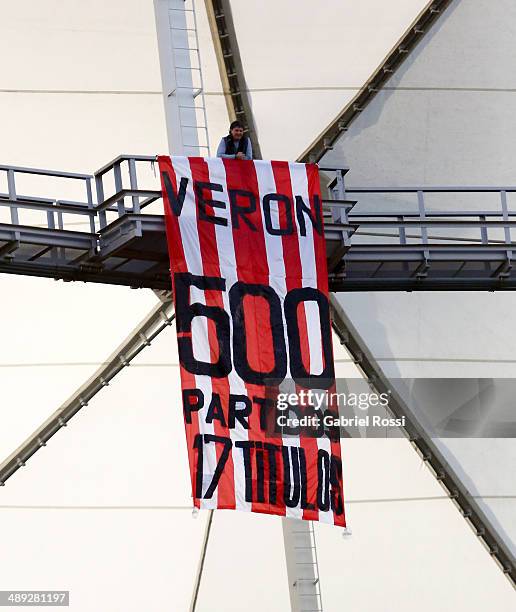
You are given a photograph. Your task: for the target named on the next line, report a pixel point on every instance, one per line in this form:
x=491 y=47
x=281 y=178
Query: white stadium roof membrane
x=103 y=509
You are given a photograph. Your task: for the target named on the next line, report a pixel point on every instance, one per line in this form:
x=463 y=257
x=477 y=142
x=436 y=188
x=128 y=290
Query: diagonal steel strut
x=423 y=443
x=160 y=317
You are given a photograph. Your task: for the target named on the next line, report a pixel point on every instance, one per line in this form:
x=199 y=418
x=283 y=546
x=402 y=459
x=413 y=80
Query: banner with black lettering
x=250 y=284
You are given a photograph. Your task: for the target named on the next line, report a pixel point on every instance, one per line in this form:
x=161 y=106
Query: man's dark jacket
x=230 y=145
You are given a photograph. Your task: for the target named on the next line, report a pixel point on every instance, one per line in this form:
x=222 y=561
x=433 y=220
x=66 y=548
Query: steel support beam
x=231 y=69
x=401 y=50
x=154 y=323
x=424 y=444
x=200 y=569
x=302 y=567
x=174 y=94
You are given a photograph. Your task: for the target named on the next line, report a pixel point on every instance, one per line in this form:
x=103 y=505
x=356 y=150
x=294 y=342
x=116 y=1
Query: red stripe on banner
x=252 y=258
x=211 y=267
x=314 y=190
x=294 y=280
x=178 y=264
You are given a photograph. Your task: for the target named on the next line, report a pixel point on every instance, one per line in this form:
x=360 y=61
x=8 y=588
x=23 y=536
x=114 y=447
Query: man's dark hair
x=235 y=124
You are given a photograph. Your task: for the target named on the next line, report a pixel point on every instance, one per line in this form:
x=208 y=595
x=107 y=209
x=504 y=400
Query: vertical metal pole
x=197 y=51
x=197 y=586
x=168 y=76
x=422 y=215
x=89 y=196
x=179 y=99
x=133 y=182
x=302 y=569
x=51 y=224
x=99 y=185
x=174 y=36
x=505 y=269
x=117 y=171
x=340 y=213
x=505 y=213
x=11 y=186
x=422 y=269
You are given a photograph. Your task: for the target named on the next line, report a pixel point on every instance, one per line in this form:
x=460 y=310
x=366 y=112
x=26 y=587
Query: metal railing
x=54 y=208
x=125 y=195
x=365 y=226
x=123 y=172
x=481 y=220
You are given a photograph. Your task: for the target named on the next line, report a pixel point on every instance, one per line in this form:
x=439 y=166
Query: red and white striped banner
x=250 y=284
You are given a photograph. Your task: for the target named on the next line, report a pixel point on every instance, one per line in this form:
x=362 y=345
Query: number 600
x=186 y=313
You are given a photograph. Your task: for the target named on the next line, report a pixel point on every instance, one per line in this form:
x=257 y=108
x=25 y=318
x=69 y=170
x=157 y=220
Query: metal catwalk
x=381 y=238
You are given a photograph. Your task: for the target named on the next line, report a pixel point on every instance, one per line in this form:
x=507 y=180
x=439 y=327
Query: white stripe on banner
x=309 y=266
x=192 y=250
